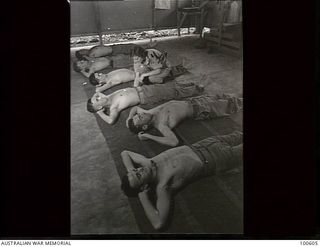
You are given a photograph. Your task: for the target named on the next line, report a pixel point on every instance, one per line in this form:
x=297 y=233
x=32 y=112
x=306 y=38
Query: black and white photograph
x=156 y=101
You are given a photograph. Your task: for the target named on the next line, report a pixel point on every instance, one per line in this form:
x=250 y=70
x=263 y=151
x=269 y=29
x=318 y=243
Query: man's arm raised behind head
x=168 y=138
x=157 y=215
x=134 y=110
x=130 y=159
x=86 y=72
x=114 y=113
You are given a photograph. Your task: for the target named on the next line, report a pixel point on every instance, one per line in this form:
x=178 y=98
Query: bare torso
x=177 y=167
x=121 y=75
x=172 y=113
x=99 y=63
x=123 y=99
x=100 y=51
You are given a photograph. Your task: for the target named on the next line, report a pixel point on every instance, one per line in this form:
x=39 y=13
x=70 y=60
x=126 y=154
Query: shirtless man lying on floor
x=94 y=59
x=108 y=107
x=168 y=115
x=174 y=168
x=116 y=77
x=89 y=65
x=103 y=50
x=103 y=82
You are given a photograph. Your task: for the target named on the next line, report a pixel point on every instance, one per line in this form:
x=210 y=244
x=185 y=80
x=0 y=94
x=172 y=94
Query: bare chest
x=125 y=98
x=173 y=114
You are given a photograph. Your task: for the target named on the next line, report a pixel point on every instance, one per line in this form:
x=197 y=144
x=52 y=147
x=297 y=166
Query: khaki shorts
x=214 y=106
x=220 y=153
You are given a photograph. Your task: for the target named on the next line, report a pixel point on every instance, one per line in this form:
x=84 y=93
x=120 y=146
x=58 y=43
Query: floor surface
x=97 y=204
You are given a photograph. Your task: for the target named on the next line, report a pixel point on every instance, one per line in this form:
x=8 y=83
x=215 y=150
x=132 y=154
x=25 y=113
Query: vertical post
x=221 y=24
x=98 y=20
x=178 y=17
x=153 y=15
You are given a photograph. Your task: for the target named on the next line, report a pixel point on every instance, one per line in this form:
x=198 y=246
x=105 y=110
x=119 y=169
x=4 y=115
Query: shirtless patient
x=100 y=57
x=106 y=81
x=89 y=65
x=168 y=115
x=116 y=77
x=103 y=50
x=169 y=171
x=108 y=107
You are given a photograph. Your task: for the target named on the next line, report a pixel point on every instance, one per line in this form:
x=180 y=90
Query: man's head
x=93 y=80
x=97 y=102
x=140 y=122
x=78 y=55
x=97 y=79
x=140 y=52
x=78 y=66
x=136 y=180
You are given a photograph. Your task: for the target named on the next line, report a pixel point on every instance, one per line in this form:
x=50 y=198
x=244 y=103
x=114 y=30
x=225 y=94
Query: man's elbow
x=158 y=225
x=111 y=121
x=173 y=142
x=124 y=153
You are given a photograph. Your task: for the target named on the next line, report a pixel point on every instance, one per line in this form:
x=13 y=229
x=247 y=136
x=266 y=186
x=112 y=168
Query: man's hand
x=98 y=89
x=142 y=136
x=142 y=76
x=145 y=189
x=100 y=110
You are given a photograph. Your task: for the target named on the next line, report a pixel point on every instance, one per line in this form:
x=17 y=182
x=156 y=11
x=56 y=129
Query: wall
x=127 y=15
x=166 y=17
x=82 y=18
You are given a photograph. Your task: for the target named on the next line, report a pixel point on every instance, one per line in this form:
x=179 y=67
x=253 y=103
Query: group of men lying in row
x=169 y=171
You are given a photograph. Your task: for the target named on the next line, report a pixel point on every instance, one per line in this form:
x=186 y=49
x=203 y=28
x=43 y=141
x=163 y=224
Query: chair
x=198 y=12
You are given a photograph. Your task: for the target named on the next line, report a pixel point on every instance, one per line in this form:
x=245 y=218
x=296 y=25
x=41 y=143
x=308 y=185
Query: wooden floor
x=97 y=204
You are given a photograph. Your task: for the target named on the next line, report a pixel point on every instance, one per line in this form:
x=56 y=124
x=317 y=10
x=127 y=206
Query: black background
x=281 y=55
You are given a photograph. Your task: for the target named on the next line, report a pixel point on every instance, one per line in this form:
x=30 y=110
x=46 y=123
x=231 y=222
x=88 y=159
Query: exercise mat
x=202 y=207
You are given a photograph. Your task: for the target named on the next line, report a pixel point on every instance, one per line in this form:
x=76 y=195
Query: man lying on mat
x=94 y=60
x=108 y=107
x=102 y=50
x=168 y=115
x=106 y=81
x=88 y=65
x=169 y=171
x=159 y=68
x=103 y=82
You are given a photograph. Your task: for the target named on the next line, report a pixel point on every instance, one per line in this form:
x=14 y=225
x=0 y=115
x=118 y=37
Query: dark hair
x=76 y=67
x=90 y=106
x=127 y=189
x=78 y=55
x=93 y=80
x=139 y=51
x=134 y=128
